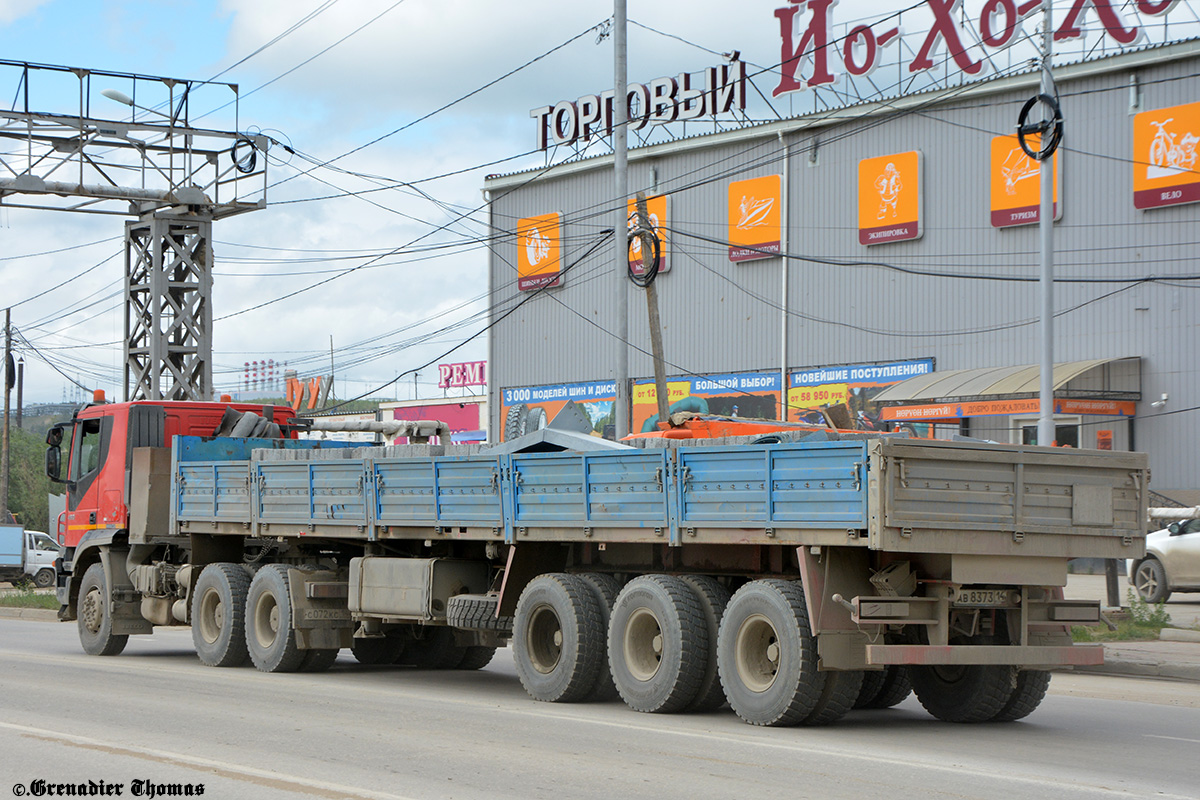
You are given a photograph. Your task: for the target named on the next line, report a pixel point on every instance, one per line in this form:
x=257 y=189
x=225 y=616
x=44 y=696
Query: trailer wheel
x=657 y=644
x=477 y=657
x=558 y=639
x=377 y=650
x=963 y=693
x=44 y=578
x=767 y=656
x=219 y=615
x=713 y=597
x=1031 y=690
x=269 y=634
x=884 y=688
x=318 y=660
x=95 y=615
x=606 y=588
x=837 y=698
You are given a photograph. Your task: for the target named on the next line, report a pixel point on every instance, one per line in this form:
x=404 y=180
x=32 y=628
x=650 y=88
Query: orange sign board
x=889 y=198
x=989 y=408
x=1016 y=184
x=1104 y=440
x=755 y=215
x=656 y=207
x=539 y=251
x=1165 y=172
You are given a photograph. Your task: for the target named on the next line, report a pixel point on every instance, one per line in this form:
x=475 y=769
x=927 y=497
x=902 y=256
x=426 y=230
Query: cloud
x=12 y=10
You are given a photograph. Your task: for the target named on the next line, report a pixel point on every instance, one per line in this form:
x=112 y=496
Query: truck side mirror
x=54 y=463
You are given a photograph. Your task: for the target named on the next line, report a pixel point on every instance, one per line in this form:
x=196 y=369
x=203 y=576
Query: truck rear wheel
x=1031 y=690
x=219 y=615
x=476 y=657
x=837 y=698
x=269 y=634
x=558 y=638
x=884 y=688
x=377 y=649
x=95 y=615
x=318 y=660
x=657 y=644
x=713 y=597
x=963 y=693
x=767 y=656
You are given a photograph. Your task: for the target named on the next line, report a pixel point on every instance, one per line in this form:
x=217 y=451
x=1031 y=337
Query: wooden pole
x=4 y=444
x=656 y=345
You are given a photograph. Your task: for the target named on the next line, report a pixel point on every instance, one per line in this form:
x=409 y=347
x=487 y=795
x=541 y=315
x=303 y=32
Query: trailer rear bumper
x=1028 y=656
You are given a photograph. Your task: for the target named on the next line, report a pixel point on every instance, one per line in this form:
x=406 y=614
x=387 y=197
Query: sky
x=353 y=72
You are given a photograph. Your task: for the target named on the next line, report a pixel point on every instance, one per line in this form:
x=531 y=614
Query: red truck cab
x=101 y=439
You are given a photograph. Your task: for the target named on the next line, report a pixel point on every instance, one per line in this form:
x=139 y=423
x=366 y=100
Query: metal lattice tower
x=176 y=179
x=168 y=315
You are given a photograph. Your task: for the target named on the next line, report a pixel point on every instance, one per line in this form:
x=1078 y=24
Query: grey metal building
x=964 y=295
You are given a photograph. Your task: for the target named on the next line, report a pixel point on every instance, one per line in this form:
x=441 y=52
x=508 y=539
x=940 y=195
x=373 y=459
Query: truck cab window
x=85 y=455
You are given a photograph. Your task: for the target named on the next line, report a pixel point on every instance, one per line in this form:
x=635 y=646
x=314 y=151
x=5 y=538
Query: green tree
x=28 y=485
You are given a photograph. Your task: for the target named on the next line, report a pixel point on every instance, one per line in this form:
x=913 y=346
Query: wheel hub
x=544 y=639
x=92 y=611
x=643 y=644
x=757 y=653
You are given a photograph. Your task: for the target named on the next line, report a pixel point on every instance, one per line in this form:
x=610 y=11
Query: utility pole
x=621 y=216
x=8 y=382
x=1046 y=434
x=656 y=344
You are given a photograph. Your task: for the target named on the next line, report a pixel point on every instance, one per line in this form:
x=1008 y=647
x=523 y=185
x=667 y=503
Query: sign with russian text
x=456 y=376
x=1165 y=172
x=690 y=96
x=539 y=252
x=992 y=408
x=735 y=394
x=815 y=51
x=810 y=390
x=656 y=207
x=755 y=218
x=527 y=408
x=889 y=198
x=1017 y=183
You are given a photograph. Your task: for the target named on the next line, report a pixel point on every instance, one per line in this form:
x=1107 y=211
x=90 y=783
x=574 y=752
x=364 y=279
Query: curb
x=1179 y=635
x=1144 y=669
x=36 y=614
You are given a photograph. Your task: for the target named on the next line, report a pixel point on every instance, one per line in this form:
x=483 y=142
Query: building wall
x=719 y=316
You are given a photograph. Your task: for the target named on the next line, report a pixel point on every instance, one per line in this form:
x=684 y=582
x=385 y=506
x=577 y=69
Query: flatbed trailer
x=794 y=581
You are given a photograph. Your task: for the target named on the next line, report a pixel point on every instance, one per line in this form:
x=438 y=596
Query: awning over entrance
x=1107 y=386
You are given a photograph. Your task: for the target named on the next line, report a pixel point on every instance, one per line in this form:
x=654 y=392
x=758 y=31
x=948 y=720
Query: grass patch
x=1144 y=623
x=26 y=597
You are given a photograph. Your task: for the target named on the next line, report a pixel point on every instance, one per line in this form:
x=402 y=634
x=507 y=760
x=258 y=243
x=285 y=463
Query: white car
x=1171 y=564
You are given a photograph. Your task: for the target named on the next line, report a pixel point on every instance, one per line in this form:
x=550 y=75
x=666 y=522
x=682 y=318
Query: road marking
x=224 y=769
x=1172 y=738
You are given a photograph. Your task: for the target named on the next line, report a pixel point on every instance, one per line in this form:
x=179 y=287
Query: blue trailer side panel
x=818 y=485
x=604 y=489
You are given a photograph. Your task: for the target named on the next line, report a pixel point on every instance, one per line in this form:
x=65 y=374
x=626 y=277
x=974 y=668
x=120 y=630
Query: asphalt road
x=156 y=714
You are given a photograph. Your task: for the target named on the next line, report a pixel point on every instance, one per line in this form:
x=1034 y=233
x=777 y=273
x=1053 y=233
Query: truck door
x=89 y=451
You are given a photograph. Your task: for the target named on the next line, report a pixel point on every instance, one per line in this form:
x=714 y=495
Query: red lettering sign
x=1109 y=18
x=815 y=39
x=456 y=376
x=946 y=28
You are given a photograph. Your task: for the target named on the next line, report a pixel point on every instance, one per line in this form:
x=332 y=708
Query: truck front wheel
x=269 y=634
x=95 y=615
x=219 y=615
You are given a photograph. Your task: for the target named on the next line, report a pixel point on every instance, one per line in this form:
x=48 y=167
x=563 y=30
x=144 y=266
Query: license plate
x=983 y=598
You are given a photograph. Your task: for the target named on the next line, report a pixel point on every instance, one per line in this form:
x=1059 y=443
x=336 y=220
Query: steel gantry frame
x=174 y=178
